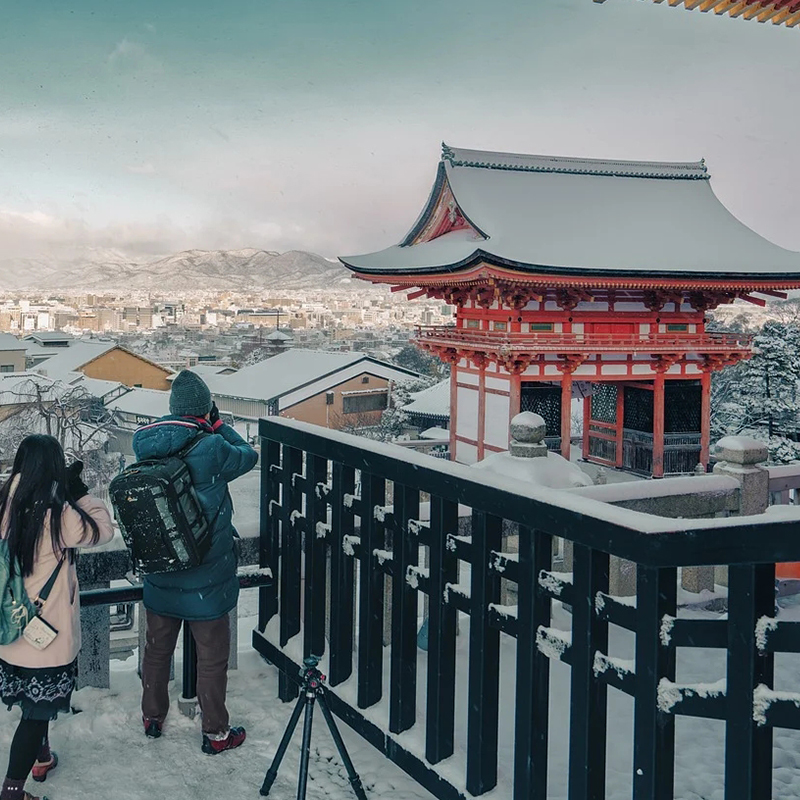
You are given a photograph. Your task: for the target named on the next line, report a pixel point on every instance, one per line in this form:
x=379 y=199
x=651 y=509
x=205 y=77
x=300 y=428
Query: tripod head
x=313 y=679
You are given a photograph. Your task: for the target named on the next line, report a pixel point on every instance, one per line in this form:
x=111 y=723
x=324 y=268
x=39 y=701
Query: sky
x=154 y=126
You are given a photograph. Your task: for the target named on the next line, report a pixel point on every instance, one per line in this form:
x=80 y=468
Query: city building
x=107 y=361
x=12 y=354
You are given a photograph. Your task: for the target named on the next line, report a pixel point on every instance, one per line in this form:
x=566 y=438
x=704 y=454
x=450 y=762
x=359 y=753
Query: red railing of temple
x=450 y=336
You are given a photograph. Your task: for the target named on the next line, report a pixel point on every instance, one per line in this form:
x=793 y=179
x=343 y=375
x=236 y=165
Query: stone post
x=743 y=458
x=94 y=668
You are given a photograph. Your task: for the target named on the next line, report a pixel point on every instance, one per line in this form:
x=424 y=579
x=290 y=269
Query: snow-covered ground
x=104 y=754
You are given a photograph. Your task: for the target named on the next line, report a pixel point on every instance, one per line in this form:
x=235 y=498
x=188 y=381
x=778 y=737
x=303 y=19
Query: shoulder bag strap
x=41 y=599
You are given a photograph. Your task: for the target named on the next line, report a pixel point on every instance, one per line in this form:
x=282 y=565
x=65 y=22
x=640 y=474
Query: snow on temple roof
x=567 y=216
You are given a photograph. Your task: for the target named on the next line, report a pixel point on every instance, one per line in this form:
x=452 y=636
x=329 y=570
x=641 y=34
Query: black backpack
x=159 y=514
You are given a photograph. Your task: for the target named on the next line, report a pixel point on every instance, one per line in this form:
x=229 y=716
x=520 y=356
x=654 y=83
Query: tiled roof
x=574 y=216
x=484 y=159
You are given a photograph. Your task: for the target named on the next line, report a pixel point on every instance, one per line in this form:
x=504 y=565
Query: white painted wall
x=497 y=420
x=467 y=413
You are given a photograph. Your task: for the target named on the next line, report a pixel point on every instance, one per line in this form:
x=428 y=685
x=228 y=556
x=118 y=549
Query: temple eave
x=584 y=279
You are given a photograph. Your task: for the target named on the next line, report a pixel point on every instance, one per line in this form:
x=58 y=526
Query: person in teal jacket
x=203 y=595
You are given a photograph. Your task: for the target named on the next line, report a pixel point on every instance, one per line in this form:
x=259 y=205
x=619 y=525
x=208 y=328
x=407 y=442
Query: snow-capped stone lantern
x=527 y=436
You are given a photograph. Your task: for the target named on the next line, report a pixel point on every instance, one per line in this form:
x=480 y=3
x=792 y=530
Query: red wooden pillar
x=587 y=423
x=515 y=399
x=566 y=412
x=480 y=362
x=620 y=423
x=658 y=425
x=705 y=417
x=453 y=406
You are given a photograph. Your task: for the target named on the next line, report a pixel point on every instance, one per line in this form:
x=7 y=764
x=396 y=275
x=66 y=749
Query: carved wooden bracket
x=663 y=361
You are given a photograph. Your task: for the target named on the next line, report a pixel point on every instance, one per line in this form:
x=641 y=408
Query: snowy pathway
x=105 y=755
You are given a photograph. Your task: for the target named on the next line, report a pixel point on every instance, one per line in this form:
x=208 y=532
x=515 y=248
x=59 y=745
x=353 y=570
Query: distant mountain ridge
x=187 y=271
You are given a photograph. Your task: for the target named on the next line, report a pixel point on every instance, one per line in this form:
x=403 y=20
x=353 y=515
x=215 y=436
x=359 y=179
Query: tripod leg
x=305 y=751
x=272 y=772
x=352 y=775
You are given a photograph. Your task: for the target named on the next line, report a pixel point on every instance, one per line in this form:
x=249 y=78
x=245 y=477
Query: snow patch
x=667 y=624
x=552 y=642
x=452 y=541
x=382 y=555
x=413 y=574
x=456 y=588
x=622 y=666
x=295 y=517
x=323 y=529
x=254 y=571
x=349 y=542
x=670 y=694
x=349 y=499
x=555 y=582
x=763 y=627
x=508 y=612
x=764 y=697
x=416 y=526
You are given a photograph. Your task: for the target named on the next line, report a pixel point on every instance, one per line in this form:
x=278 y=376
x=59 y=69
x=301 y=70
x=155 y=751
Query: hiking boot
x=152 y=727
x=41 y=768
x=235 y=738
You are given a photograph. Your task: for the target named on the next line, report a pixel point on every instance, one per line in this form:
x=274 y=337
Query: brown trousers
x=213 y=638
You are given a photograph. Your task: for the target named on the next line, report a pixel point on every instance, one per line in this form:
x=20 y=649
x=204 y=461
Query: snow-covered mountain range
x=190 y=270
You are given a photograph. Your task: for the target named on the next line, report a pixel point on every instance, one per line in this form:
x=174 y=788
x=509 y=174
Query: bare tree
x=71 y=414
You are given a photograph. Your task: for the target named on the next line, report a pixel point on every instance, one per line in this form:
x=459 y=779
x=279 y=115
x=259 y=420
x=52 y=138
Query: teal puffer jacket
x=211 y=589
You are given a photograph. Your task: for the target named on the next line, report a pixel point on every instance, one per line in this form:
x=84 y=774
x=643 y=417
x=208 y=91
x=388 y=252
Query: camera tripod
x=312 y=690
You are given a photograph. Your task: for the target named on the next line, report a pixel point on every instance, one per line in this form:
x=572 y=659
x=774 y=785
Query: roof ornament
x=452 y=212
x=447 y=153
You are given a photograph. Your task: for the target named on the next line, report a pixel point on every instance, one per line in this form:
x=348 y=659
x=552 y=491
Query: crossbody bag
x=38 y=632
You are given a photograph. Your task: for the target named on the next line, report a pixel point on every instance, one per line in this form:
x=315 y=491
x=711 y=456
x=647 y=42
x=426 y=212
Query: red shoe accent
x=40 y=770
x=235 y=738
x=152 y=727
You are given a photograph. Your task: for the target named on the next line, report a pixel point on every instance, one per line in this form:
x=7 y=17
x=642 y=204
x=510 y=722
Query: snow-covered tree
x=71 y=414
x=759 y=397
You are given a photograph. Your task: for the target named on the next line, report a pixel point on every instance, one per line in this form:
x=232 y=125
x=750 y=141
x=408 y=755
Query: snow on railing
x=552 y=642
x=670 y=694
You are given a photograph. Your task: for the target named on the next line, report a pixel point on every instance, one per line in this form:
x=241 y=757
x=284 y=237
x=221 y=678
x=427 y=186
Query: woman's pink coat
x=62 y=609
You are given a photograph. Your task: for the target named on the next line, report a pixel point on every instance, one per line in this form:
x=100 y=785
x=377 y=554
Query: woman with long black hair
x=45 y=512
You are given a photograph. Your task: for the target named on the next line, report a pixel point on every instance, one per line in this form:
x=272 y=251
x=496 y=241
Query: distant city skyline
x=154 y=127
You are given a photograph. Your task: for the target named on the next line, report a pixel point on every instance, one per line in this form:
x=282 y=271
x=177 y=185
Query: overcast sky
x=158 y=125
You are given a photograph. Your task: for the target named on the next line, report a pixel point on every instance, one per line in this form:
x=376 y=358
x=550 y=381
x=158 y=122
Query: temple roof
x=576 y=216
x=778 y=12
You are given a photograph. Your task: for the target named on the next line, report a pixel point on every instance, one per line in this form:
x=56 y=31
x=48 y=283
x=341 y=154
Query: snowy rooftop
x=144 y=402
x=9 y=342
x=69 y=359
x=205 y=371
x=432 y=402
x=98 y=387
x=562 y=215
x=290 y=371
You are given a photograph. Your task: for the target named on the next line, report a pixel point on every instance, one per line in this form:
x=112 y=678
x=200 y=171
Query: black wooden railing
x=356 y=516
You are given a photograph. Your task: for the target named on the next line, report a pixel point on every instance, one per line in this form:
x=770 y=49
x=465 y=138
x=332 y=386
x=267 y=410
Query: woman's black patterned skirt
x=41 y=692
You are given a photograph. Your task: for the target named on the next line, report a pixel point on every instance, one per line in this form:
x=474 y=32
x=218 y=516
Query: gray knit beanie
x=190 y=397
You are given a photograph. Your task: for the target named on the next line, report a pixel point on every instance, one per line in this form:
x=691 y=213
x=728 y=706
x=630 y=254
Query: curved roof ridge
x=522 y=162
